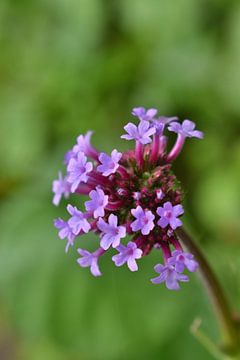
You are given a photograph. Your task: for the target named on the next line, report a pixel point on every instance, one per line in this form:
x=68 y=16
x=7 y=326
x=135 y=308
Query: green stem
x=229 y=331
x=206 y=342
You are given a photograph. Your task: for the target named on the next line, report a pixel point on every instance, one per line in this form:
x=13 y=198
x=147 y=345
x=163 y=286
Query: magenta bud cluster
x=135 y=200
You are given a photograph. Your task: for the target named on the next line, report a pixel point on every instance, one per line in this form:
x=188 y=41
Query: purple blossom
x=166 y=119
x=97 y=203
x=160 y=194
x=182 y=260
x=109 y=163
x=144 y=220
x=141 y=133
x=68 y=156
x=169 y=275
x=186 y=129
x=128 y=254
x=160 y=123
x=144 y=114
x=122 y=192
x=78 y=169
x=60 y=187
x=129 y=193
x=65 y=232
x=159 y=127
x=78 y=221
x=111 y=232
x=84 y=144
x=136 y=195
x=88 y=259
x=169 y=214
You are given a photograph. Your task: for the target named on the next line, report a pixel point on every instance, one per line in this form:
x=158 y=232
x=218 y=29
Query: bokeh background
x=67 y=66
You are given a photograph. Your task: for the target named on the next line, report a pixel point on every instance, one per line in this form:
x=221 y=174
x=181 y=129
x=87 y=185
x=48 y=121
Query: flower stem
x=207 y=343
x=228 y=328
x=139 y=154
x=154 y=149
x=176 y=148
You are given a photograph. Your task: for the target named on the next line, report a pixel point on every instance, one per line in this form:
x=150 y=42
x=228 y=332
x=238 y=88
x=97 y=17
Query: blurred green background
x=67 y=66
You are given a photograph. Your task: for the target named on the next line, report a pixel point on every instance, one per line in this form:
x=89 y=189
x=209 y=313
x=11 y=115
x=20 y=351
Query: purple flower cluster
x=132 y=194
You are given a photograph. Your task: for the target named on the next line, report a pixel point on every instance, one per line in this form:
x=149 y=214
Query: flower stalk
x=228 y=327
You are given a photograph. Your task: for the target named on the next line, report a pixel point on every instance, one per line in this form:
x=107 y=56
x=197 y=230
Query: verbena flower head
x=135 y=200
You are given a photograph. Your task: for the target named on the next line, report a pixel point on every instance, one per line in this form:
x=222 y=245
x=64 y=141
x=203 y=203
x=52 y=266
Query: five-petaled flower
x=128 y=254
x=141 y=133
x=97 y=203
x=78 y=169
x=169 y=215
x=131 y=194
x=169 y=275
x=182 y=260
x=78 y=221
x=161 y=121
x=111 y=232
x=144 y=114
x=186 y=129
x=88 y=259
x=144 y=220
x=84 y=145
x=109 y=164
x=60 y=187
x=65 y=232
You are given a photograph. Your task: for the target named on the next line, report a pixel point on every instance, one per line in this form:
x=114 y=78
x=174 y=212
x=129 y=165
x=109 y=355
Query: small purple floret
x=77 y=222
x=144 y=114
x=111 y=232
x=60 y=187
x=83 y=144
x=169 y=215
x=65 y=232
x=182 y=260
x=97 y=203
x=160 y=123
x=141 y=133
x=78 y=169
x=88 y=259
x=169 y=275
x=144 y=220
x=68 y=156
x=109 y=164
x=160 y=194
x=128 y=254
x=166 y=119
x=137 y=195
x=186 y=129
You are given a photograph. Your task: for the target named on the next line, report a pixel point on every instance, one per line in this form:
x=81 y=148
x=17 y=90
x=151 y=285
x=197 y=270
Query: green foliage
x=69 y=66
